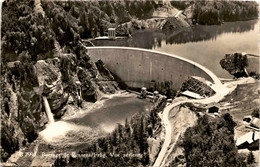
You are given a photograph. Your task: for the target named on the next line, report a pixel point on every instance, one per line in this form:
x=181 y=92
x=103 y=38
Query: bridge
x=141 y=67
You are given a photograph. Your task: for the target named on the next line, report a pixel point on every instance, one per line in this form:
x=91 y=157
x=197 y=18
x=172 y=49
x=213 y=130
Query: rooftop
x=248 y=137
x=192 y=94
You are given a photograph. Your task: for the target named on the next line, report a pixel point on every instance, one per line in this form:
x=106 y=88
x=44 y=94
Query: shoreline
x=123 y=93
x=56 y=131
x=89 y=107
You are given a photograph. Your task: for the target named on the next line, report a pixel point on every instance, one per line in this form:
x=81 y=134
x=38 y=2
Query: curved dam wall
x=141 y=67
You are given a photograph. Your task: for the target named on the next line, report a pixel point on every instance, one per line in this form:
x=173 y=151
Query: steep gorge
x=24 y=82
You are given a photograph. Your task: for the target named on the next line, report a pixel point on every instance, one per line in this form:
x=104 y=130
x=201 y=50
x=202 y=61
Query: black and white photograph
x=130 y=83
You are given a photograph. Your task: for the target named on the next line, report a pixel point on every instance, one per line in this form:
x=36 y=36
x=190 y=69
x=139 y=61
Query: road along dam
x=142 y=67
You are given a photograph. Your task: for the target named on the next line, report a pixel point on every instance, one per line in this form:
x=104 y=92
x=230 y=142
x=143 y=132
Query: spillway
x=48 y=110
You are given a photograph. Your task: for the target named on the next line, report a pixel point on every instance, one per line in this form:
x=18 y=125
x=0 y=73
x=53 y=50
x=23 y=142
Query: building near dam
x=112 y=33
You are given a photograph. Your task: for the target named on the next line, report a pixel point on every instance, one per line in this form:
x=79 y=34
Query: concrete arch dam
x=142 y=67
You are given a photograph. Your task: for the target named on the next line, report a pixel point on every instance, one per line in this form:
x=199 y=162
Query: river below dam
x=113 y=111
x=87 y=124
x=206 y=45
x=74 y=131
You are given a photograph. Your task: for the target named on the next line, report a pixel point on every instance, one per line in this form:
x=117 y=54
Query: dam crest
x=142 y=67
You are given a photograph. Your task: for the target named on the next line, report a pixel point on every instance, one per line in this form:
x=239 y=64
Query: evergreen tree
x=250 y=158
x=211 y=143
x=255 y=113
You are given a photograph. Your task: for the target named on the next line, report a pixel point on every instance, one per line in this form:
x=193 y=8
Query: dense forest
x=24 y=30
x=37 y=29
x=31 y=32
x=216 y=12
x=211 y=143
x=181 y=5
x=127 y=145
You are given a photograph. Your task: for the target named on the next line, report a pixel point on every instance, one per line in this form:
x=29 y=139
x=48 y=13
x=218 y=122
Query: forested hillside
x=25 y=28
x=127 y=145
x=211 y=143
x=50 y=31
x=216 y=12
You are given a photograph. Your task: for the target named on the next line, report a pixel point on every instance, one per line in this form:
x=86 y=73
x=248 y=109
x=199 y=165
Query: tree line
x=64 y=23
x=211 y=143
x=216 y=12
x=130 y=138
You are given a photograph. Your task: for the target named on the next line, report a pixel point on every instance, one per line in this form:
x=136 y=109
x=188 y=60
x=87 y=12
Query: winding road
x=221 y=91
x=168 y=128
x=168 y=133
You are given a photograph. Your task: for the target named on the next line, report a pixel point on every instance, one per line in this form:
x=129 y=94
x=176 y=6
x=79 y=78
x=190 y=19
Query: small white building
x=255 y=122
x=190 y=94
x=111 y=33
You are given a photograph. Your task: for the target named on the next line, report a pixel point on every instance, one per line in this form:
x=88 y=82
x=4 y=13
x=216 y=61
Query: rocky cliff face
x=153 y=23
x=24 y=83
x=165 y=24
x=175 y=23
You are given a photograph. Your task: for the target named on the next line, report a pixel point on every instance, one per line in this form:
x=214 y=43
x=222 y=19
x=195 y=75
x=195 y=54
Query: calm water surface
x=114 y=111
x=206 y=45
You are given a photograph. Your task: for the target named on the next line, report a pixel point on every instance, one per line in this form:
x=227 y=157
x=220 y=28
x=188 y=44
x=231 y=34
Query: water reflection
x=206 y=45
x=204 y=33
x=114 y=111
x=147 y=39
x=153 y=39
